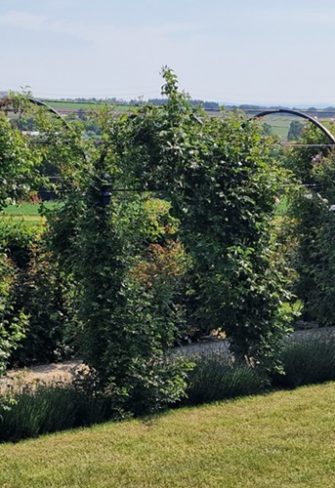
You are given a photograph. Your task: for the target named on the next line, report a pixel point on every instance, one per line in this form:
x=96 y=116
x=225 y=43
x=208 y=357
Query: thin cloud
x=25 y=20
x=289 y=14
x=36 y=22
x=90 y=32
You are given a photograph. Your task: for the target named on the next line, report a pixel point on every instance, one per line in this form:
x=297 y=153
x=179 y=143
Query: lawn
x=280 y=124
x=284 y=439
x=26 y=212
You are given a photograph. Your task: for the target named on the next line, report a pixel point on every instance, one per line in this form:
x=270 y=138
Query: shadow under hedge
x=49 y=409
x=214 y=377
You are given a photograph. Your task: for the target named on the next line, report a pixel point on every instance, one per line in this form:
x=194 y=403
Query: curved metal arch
x=50 y=109
x=53 y=111
x=298 y=114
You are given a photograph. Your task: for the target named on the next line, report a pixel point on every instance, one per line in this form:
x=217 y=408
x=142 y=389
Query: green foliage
x=128 y=308
x=127 y=268
x=14 y=251
x=12 y=323
x=190 y=244
x=217 y=378
x=52 y=161
x=50 y=409
x=222 y=187
x=17 y=173
x=60 y=147
x=295 y=130
x=310 y=207
x=47 y=296
x=202 y=254
x=16 y=240
x=40 y=290
x=18 y=163
x=307 y=360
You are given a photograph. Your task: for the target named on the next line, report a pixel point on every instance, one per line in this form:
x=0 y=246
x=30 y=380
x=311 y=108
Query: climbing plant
x=311 y=207
x=165 y=224
x=17 y=171
x=222 y=187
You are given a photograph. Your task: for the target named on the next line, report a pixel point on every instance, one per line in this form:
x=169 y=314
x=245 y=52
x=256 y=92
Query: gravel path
x=53 y=373
x=63 y=372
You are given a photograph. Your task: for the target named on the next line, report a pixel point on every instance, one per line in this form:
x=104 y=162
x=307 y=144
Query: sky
x=231 y=51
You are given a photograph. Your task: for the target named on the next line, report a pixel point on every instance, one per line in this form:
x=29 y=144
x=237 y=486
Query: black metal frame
x=303 y=115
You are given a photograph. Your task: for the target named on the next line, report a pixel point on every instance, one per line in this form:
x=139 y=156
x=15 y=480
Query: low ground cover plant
x=44 y=409
x=307 y=360
x=214 y=377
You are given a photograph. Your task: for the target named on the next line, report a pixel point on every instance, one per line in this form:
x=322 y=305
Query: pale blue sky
x=241 y=51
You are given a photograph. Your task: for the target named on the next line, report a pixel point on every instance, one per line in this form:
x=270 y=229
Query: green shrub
x=15 y=244
x=17 y=239
x=46 y=295
x=215 y=377
x=314 y=259
x=49 y=409
x=128 y=267
x=307 y=360
x=12 y=321
x=40 y=290
x=18 y=162
x=222 y=185
x=220 y=188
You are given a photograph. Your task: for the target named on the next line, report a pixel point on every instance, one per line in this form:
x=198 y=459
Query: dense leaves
x=12 y=325
x=311 y=208
x=217 y=176
x=166 y=226
x=128 y=269
x=18 y=163
x=17 y=171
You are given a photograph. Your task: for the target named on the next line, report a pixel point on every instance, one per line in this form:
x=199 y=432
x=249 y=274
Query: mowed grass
x=26 y=212
x=284 y=439
x=280 y=124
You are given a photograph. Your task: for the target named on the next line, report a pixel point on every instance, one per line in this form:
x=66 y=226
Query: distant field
x=280 y=123
x=75 y=106
x=26 y=212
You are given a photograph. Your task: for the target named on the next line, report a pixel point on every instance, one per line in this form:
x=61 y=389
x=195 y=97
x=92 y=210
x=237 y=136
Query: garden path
x=63 y=372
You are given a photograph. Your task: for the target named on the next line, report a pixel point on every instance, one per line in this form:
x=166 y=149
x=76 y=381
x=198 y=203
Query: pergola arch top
x=302 y=115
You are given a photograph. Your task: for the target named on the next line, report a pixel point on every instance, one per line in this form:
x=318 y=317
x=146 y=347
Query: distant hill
x=76 y=104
